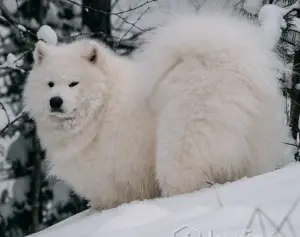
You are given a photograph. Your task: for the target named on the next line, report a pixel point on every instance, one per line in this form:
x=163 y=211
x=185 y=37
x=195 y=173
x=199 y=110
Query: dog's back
x=214 y=82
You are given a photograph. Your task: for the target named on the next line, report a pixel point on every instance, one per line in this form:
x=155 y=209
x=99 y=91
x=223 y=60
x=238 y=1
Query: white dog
x=98 y=134
x=201 y=106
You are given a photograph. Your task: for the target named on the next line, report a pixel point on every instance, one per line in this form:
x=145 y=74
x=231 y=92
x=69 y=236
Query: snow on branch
x=274 y=19
x=252 y=6
x=8 y=19
x=11 y=63
x=47 y=34
x=6 y=120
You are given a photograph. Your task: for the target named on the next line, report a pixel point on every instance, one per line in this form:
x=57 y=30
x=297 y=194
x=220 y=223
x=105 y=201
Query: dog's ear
x=40 y=51
x=91 y=52
x=93 y=55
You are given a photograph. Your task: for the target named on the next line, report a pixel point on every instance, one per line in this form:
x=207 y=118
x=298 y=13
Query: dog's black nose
x=56 y=102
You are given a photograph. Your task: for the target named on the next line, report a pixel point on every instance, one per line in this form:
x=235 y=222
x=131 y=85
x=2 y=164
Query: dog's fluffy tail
x=213 y=34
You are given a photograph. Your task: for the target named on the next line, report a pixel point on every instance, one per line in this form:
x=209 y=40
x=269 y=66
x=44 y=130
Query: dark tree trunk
x=295 y=97
x=97 y=22
x=36 y=9
x=36 y=185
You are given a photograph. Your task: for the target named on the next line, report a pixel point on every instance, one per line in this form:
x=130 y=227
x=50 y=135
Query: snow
x=22 y=28
x=10 y=61
x=3 y=119
x=295 y=24
x=272 y=22
x=257 y=206
x=47 y=34
x=252 y=6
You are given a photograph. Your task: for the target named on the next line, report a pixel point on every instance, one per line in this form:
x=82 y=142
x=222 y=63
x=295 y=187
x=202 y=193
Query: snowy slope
x=219 y=211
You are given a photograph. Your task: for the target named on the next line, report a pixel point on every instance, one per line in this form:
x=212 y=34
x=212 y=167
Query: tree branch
x=118 y=14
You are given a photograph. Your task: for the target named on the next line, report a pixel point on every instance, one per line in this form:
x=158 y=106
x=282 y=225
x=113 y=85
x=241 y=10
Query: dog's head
x=68 y=84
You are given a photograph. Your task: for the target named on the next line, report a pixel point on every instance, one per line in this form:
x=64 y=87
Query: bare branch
x=137 y=20
x=110 y=13
x=9 y=121
x=8 y=19
x=134 y=8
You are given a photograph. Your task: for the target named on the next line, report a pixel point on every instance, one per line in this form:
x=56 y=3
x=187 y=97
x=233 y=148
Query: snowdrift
x=263 y=206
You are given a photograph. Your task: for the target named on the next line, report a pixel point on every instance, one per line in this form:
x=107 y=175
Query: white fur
x=106 y=151
x=198 y=104
x=216 y=96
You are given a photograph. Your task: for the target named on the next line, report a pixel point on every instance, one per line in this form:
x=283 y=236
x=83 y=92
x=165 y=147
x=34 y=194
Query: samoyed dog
x=99 y=136
x=198 y=104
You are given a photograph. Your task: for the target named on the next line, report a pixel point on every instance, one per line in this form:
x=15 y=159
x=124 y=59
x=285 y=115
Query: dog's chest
x=84 y=170
x=121 y=155
x=105 y=165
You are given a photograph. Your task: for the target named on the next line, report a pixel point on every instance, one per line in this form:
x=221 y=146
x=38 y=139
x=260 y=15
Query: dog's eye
x=74 y=83
x=51 y=84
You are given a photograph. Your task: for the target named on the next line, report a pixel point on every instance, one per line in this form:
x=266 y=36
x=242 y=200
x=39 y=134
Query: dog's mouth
x=63 y=115
x=65 y=121
x=60 y=110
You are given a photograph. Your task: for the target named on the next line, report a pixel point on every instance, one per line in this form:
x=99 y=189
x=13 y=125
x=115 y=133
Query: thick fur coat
x=198 y=104
x=218 y=107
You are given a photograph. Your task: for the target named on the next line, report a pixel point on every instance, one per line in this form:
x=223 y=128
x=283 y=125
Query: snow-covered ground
x=257 y=206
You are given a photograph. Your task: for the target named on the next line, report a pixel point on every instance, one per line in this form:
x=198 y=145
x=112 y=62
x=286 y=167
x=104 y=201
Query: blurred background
x=29 y=200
